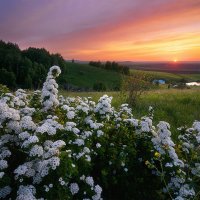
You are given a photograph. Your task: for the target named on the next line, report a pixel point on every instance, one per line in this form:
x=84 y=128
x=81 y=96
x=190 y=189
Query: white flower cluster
x=40 y=139
x=8 y=114
x=85 y=105
x=4 y=151
x=49 y=126
x=93 y=124
x=126 y=111
x=74 y=188
x=164 y=144
x=190 y=140
x=39 y=144
x=26 y=192
x=104 y=107
x=49 y=90
x=146 y=124
x=96 y=188
x=20 y=98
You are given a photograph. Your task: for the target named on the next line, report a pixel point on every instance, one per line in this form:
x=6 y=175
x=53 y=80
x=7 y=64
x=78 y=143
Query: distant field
x=170 y=77
x=84 y=75
x=172 y=67
x=178 y=107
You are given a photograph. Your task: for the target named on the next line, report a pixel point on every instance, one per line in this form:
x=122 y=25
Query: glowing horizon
x=132 y=30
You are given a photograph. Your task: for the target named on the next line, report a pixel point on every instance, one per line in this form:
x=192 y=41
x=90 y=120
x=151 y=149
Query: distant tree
x=7 y=78
x=28 y=82
x=38 y=55
x=96 y=64
x=114 y=66
x=108 y=65
x=34 y=62
x=125 y=70
x=134 y=86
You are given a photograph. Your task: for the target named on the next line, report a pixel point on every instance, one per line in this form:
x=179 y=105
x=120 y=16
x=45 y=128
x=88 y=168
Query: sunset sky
x=136 y=30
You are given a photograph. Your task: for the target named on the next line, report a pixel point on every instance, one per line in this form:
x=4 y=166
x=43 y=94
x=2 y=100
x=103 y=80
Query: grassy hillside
x=84 y=75
x=178 y=107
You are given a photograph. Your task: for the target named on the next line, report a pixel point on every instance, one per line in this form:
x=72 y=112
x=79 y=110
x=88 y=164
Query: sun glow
x=175 y=60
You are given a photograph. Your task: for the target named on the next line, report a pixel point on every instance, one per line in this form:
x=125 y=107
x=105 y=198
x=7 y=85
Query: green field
x=84 y=75
x=178 y=107
x=169 y=77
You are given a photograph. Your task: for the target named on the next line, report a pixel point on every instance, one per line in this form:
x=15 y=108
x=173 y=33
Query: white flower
x=99 y=133
x=98 y=145
x=70 y=114
x=186 y=192
x=74 y=188
x=31 y=140
x=26 y=192
x=126 y=169
x=3 y=164
x=89 y=180
x=27 y=123
x=75 y=130
x=58 y=144
x=146 y=125
x=22 y=169
x=36 y=150
x=79 y=142
x=98 y=189
x=82 y=177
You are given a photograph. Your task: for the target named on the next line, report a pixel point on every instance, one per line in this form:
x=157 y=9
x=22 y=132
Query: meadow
x=176 y=106
x=169 y=77
x=66 y=146
x=84 y=75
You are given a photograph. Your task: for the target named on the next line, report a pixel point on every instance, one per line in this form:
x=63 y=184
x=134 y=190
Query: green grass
x=84 y=75
x=191 y=77
x=178 y=107
x=170 y=77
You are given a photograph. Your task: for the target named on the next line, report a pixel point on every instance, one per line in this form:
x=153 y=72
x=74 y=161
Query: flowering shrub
x=53 y=147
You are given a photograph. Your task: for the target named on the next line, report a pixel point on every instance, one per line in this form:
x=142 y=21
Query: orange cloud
x=165 y=31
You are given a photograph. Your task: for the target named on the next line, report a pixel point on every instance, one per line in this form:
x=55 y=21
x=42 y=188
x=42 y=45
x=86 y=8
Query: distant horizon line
x=140 y=61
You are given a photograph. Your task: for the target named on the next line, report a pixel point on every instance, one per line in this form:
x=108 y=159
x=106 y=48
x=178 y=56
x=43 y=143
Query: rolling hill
x=85 y=76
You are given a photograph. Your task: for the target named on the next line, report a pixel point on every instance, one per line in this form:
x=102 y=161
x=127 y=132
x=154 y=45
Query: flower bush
x=52 y=147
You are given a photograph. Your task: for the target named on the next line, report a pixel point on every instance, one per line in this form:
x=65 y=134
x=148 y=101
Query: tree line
x=27 y=68
x=114 y=66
